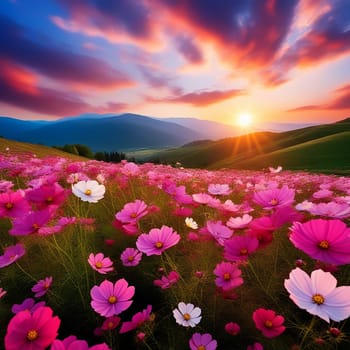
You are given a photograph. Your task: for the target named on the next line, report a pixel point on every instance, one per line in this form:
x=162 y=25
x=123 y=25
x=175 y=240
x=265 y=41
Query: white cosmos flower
x=191 y=223
x=89 y=191
x=187 y=315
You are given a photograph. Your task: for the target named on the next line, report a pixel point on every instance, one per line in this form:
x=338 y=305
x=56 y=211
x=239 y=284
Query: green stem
x=307 y=332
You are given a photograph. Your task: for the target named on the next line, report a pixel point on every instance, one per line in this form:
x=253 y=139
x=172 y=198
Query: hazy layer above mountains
x=124 y=132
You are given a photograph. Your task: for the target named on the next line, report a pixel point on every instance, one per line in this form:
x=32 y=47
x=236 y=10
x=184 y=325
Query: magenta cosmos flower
x=218 y=231
x=274 y=197
x=239 y=248
x=157 y=240
x=132 y=212
x=319 y=294
x=137 y=320
x=325 y=240
x=72 y=343
x=270 y=324
x=130 y=257
x=45 y=195
x=42 y=287
x=32 y=331
x=100 y=264
x=228 y=276
x=202 y=342
x=167 y=281
x=13 y=204
x=12 y=254
x=110 y=299
x=27 y=304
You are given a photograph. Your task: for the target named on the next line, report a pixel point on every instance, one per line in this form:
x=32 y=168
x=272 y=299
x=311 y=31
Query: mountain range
x=125 y=132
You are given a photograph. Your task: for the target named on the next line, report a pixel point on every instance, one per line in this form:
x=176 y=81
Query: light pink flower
x=131 y=257
x=110 y=299
x=12 y=254
x=218 y=231
x=275 y=197
x=137 y=320
x=239 y=222
x=100 y=263
x=319 y=294
x=167 y=281
x=219 y=189
x=132 y=212
x=157 y=240
x=331 y=210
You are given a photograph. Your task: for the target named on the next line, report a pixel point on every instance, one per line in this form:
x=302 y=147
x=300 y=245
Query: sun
x=244 y=120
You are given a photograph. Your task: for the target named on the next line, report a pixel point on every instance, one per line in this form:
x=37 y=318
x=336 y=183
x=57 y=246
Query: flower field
x=124 y=256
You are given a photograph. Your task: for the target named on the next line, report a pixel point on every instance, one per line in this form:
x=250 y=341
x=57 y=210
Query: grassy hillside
x=320 y=147
x=326 y=154
x=39 y=150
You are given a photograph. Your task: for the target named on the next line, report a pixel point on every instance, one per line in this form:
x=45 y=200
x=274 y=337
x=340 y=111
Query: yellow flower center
x=35 y=227
x=273 y=201
x=110 y=325
x=243 y=251
x=9 y=205
x=46 y=286
x=201 y=347
x=32 y=335
x=88 y=192
x=227 y=276
x=187 y=317
x=324 y=244
x=318 y=299
x=159 y=245
x=49 y=199
x=98 y=264
x=112 y=299
x=133 y=215
x=268 y=324
x=130 y=258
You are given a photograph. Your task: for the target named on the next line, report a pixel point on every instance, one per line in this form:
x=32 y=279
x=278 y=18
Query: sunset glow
x=205 y=59
x=244 y=120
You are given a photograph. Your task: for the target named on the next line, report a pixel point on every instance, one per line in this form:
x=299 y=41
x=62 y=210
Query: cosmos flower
x=130 y=257
x=12 y=254
x=137 y=320
x=218 y=231
x=42 y=287
x=270 y=324
x=232 y=328
x=219 y=189
x=132 y=212
x=110 y=323
x=2 y=292
x=274 y=197
x=72 y=343
x=239 y=248
x=331 y=210
x=187 y=315
x=100 y=263
x=13 y=204
x=191 y=223
x=167 y=281
x=27 y=304
x=255 y=346
x=239 y=222
x=157 y=240
x=202 y=342
x=110 y=299
x=28 y=331
x=89 y=191
x=228 y=275
x=275 y=170
x=45 y=195
x=319 y=294
x=325 y=240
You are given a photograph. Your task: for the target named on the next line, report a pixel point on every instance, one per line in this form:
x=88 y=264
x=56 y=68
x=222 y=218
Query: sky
x=277 y=60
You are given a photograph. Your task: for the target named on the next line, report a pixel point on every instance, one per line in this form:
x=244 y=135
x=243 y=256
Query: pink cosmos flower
x=72 y=343
x=27 y=304
x=319 y=294
x=45 y=195
x=255 y=346
x=232 y=328
x=30 y=223
x=29 y=331
x=219 y=189
x=325 y=240
x=187 y=315
x=229 y=207
x=42 y=287
x=228 y=276
x=331 y=210
x=239 y=222
x=110 y=323
x=167 y=281
x=12 y=254
x=322 y=194
x=130 y=169
x=178 y=193
x=157 y=240
x=110 y=299
x=2 y=292
x=132 y=212
x=239 y=248
x=270 y=324
x=218 y=231
x=204 y=198
x=13 y=204
x=131 y=257
x=274 y=197
x=137 y=320
x=100 y=264
x=202 y=342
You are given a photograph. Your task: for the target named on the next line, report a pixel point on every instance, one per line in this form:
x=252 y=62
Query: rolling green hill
x=28 y=148
x=318 y=148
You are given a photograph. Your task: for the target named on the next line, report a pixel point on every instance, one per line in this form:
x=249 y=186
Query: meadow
x=125 y=256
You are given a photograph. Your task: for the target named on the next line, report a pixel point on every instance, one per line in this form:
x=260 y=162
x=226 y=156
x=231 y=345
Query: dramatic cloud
x=201 y=98
x=56 y=63
x=341 y=100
